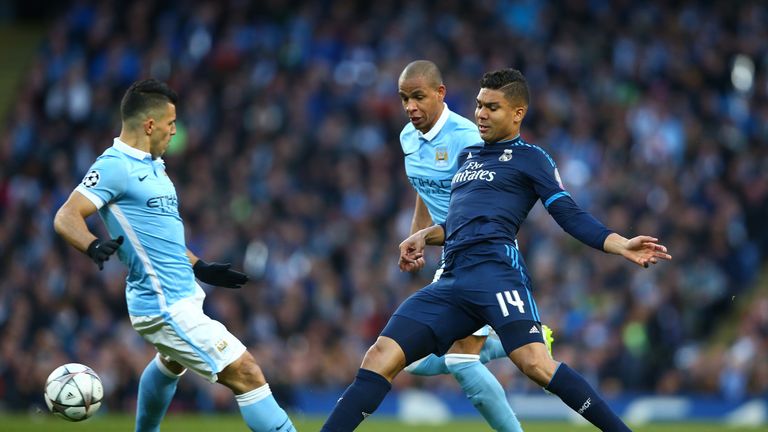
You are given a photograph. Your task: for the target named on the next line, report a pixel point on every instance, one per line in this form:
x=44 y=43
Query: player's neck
x=135 y=139
x=509 y=137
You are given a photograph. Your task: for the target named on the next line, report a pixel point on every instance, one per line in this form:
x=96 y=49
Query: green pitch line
x=42 y=422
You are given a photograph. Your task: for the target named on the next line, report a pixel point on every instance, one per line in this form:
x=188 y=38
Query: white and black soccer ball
x=91 y=179
x=73 y=392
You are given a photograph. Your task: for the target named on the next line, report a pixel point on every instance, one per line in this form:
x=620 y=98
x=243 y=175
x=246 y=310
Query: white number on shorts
x=516 y=301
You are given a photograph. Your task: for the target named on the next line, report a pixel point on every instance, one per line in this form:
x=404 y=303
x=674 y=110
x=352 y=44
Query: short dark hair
x=425 y=69
x=145 y=95
x=510 y=81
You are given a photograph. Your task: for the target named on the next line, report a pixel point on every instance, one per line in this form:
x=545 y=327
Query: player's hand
x=100 y=251
x=219 y=274
x=412 y=253
x=644 y=250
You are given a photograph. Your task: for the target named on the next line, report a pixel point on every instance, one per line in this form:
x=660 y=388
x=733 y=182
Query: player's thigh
x=504 y=301
x=191 y=338
x=429 y=322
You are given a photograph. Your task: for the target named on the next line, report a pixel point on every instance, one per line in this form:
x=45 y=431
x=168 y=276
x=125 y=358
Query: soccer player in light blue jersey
x=431 y=142
x=137 y=201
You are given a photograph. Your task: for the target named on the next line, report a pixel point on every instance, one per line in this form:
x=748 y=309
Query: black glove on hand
x=219 y=274
x=99 y=251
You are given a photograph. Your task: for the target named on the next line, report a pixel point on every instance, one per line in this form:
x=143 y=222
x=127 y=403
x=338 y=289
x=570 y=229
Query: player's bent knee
x=384 y=357
x=171 y=364
x=242 y=375
x=533 y=361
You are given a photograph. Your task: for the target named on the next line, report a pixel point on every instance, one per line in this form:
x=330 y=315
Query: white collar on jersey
x=429 y=136
x=119 y=145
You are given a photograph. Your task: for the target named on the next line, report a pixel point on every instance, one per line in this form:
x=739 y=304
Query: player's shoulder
x=462 y=131
x=459 y=122
x=457 y=125
x=114 y=155
x=407 y=131
x=114 y=160
x=534 y=151
x=409 y=138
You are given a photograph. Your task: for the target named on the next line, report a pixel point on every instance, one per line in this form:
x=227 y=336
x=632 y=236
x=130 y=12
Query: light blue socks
x=484 y=391
x=433 y=365
x=156 y=389
x=492 y=350
x=428 y=366
x=262 y=413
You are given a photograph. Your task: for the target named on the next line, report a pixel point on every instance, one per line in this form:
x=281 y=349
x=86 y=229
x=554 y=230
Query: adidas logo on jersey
x=534 y=329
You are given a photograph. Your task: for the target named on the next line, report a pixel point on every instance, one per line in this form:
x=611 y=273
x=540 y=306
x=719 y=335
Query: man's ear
x=149 y=126
x=441 y=92
x=520 y=112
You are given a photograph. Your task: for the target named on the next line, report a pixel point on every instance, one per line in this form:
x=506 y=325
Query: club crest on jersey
x=507 y=155
x=441 y=157
x=91 y=179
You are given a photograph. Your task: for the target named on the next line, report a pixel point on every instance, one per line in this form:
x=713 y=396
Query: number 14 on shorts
x=512 y=298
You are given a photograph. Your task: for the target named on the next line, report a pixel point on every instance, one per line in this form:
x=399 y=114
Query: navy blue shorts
x=486 y=284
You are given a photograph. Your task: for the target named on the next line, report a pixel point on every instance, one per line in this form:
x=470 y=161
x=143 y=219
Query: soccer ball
x=73 y=392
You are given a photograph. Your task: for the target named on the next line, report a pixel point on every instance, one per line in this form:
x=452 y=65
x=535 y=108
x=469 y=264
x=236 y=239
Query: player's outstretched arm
x=641 y=250
x=69 y=223
x=412 y=248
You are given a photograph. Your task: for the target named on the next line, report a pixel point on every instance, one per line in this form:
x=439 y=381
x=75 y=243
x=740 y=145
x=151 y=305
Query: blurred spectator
x=287 y=160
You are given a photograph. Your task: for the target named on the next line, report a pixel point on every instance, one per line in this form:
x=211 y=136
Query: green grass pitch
x=43 y=422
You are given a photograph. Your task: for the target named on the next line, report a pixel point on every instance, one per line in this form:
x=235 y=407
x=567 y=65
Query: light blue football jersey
x=431 y=159
x=137 y=200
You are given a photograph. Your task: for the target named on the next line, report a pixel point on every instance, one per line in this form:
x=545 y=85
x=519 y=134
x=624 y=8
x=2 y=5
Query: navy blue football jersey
x=495 y=188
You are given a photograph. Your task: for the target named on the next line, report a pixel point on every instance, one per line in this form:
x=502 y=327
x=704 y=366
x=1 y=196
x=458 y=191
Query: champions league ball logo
x=91 y=179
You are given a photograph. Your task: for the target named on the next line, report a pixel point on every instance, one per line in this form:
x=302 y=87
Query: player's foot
x=548 y=339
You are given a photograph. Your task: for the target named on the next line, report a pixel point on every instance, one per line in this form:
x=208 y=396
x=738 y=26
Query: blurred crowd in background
x=287 y=164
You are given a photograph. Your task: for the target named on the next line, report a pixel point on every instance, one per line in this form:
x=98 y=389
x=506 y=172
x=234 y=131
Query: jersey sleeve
x=546 y=178
x=559 y=203
x=464 y=138
x=578 y=223
x=105 y=181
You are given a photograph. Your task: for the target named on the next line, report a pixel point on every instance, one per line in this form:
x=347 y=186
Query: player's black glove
x=219 y=274
x=99 y=250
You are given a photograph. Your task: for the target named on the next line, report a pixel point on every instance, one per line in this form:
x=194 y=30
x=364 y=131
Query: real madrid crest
x=507 y=155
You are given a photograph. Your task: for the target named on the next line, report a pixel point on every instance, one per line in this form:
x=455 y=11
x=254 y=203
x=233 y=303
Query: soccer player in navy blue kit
x=431 y=143
x=485 y=280
x=134 y=196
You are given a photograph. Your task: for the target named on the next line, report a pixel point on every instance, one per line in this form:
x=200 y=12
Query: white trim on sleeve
x=92 y=197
